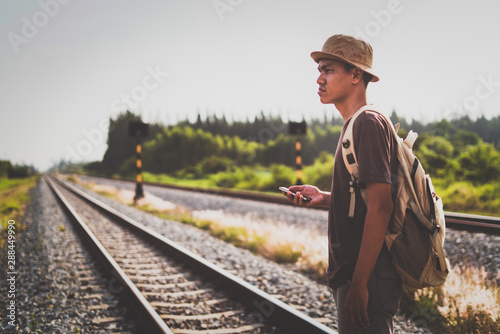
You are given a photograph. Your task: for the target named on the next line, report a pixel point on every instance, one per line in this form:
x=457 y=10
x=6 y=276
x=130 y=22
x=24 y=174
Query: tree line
x=15 y=171
x=464 y=148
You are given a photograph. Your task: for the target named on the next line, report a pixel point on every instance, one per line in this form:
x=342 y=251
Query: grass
x=466 y=303
x=286 y=253
x=458 y=196
x=237 y=236
x=166 y=179
x=468 y=198
x=208 y=183
x=14 y=195
x=268 y=240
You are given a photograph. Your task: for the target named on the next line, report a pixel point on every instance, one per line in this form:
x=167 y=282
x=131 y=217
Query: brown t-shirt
x=376 y=151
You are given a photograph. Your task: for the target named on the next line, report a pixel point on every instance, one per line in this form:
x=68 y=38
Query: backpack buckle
x=352 y=185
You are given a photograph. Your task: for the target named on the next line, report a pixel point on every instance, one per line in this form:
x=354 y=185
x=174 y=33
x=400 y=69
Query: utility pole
x=138 y=130
x=298 y=129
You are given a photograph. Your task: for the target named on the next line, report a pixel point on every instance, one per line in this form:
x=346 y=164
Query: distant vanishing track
x=459 y=221
x=175 y=290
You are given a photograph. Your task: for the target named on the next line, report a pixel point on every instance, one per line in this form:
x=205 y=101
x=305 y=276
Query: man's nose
x=321 y=79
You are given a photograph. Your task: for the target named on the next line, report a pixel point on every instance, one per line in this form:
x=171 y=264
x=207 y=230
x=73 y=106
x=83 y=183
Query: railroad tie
x=100 y=307
x=173 y=305
x=241 y=329
x=157 y=278
x=164 y=286
x=201 y=316
x=175 y=294
x=100 y=321
x=323 y=320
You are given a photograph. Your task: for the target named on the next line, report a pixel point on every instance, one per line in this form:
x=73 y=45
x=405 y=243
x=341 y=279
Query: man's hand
x=356 y=307
x=318 y=197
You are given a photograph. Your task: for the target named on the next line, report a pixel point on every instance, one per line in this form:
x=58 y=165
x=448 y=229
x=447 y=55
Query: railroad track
x=170 y=288
x=459 y=221
x=475 y=223
x=102 y=307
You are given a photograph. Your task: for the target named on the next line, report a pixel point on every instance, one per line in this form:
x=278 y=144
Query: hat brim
x=318 y=55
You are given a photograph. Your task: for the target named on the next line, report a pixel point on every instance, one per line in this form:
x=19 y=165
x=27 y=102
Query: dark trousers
x=385 y=291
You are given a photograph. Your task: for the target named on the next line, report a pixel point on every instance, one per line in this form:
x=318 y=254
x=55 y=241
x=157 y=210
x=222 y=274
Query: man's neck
x=350 y=106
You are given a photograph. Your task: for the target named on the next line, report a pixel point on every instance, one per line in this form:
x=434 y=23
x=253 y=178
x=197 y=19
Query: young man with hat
x=366 y=288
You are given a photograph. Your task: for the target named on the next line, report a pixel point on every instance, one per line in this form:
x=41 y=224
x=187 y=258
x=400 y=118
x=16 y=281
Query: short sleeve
x=372 y=143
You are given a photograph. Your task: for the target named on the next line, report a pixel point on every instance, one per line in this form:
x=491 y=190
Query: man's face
x=334 y=82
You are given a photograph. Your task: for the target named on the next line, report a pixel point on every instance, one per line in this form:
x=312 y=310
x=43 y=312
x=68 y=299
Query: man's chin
x=324 y=100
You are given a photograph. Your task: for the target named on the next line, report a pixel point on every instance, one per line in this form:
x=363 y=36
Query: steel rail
x=152 y=319
x=242 y=194
x=459 y=221
x=469 y=222
x=258 y=302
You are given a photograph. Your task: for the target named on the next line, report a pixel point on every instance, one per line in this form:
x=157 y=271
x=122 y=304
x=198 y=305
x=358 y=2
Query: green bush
x=215 y=164
x=423 y=308
x=435 y=153
x=209 y=165
x=460 y=197
x=463 y=138
x=424 y=311
x=181 y=147
x=475 y=321
x=489 y=195
x=465 y=197
x=479 y=164
x=128 y=169
x=190 y=172
x=280 y=176
x=232 y=234
x=233 y=177
x=320 y=173
x=286 y=254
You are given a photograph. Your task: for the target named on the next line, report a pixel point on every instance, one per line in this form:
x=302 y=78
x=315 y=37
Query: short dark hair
x=367 y=77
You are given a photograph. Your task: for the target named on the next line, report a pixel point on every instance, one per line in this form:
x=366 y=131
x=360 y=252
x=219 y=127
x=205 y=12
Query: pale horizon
x=68 y=66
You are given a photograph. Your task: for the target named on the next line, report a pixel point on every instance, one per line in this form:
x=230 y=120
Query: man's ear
x=357 y=76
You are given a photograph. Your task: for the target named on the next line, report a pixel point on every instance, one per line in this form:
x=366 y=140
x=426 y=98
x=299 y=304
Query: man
x=366 y=288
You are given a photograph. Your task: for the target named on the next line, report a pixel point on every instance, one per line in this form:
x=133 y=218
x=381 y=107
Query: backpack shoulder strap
x=349 y=155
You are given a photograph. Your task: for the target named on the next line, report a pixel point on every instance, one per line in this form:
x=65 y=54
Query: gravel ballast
x=51 y=294
x=46 y=289
x=315 y=298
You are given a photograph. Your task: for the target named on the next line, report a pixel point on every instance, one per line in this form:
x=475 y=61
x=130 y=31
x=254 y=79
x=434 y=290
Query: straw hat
x=349 y=50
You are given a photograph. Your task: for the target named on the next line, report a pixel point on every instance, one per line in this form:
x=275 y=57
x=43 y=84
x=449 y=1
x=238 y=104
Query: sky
x=68 y=66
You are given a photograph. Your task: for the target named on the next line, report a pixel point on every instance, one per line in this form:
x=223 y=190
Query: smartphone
x=286 y=190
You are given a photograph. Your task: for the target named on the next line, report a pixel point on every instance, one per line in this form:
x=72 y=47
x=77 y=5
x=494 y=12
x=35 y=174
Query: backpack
x=416 y=235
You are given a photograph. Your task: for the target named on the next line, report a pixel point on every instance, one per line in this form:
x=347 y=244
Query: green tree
x=479 y=164
x=463 y=138
x=120 y=145
x=5 y=165
x=442 y=128
x=320 y=173
x=434 y=154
